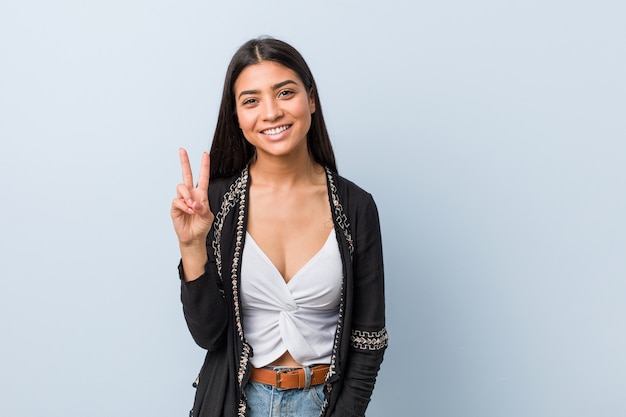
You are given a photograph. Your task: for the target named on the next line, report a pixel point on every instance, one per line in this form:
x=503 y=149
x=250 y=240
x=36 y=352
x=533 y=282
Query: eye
x=248 y=102
x=285 y=93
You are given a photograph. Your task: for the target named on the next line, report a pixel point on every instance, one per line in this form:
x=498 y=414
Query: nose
x=272 y=110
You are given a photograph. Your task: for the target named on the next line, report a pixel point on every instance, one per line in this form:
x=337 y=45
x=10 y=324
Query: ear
x=312 y=101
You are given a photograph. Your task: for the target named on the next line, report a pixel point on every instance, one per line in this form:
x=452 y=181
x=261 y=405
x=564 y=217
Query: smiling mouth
x=276 y=130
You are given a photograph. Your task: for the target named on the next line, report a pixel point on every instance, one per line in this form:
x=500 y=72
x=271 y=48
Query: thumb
x=202 y=208
x=197 y=206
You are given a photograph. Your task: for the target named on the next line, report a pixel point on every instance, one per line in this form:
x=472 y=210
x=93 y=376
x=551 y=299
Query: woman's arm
x=203 y=303
x=204 y=307
x=368 y=339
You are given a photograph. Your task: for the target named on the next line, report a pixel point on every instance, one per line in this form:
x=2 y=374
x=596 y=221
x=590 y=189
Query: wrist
x=193 y=244
x=194 y=257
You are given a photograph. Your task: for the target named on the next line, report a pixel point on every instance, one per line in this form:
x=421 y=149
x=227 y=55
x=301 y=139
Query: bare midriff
x=286 y=360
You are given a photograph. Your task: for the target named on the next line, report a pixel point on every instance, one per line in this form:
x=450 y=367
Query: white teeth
x=275 y=131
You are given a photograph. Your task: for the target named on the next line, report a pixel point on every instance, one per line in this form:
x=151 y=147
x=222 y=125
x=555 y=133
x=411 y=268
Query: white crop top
x=299 y=316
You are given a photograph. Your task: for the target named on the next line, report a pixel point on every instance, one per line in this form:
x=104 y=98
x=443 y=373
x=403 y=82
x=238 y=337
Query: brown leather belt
x=290 y=378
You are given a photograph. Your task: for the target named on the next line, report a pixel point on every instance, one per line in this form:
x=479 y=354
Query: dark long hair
x=230 y=151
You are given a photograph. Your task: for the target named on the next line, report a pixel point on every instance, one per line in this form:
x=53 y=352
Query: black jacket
x=211 y=303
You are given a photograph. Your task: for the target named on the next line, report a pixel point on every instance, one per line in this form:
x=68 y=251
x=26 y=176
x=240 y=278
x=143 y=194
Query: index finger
x=184 y=163
x=203 y=179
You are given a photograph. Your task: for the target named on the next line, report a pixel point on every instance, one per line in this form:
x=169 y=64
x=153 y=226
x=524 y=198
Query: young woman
x=281 y=269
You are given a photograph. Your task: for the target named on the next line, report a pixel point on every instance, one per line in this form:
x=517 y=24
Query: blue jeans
x=267 y=401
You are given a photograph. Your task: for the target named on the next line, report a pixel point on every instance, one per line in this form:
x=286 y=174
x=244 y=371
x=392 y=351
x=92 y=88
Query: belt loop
x=307 y=377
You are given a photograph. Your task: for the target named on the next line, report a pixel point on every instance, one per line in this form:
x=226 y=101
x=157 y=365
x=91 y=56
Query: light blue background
x=491 y=133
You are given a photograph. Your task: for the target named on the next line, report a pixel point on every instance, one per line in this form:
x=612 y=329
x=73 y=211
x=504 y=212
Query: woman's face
x=274 y=109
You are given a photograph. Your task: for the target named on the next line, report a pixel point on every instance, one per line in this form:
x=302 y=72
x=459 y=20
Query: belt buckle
x=278 y=372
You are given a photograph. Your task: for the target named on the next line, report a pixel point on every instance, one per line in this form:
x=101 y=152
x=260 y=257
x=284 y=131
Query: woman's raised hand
x=190 y=211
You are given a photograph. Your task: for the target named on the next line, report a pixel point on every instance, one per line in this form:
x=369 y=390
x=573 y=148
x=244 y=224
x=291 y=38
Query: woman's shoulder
x=234 y=184
x=222 y=183
x=348 y=187
x=358 y=204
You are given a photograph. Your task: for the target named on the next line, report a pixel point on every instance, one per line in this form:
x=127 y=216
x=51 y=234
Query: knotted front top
x=299 y=316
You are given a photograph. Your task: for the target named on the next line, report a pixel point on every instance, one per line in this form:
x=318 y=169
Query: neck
x=285 y=172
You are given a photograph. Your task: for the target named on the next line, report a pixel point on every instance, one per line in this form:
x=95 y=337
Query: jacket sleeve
x=368 y=337
x=204 y=306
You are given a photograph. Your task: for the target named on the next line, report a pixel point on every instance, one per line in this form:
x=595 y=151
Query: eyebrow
x=274 y=87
